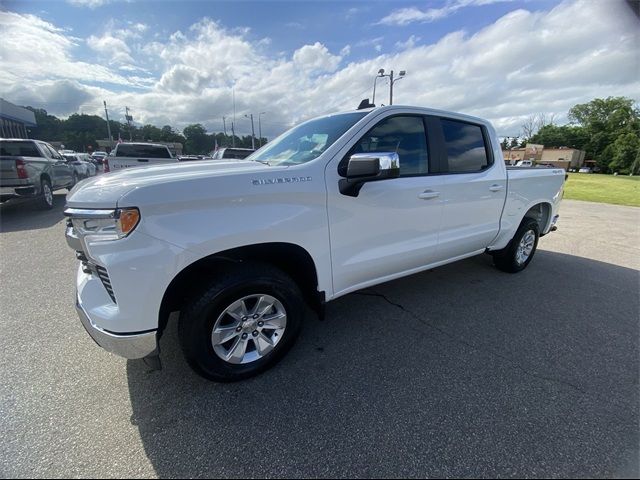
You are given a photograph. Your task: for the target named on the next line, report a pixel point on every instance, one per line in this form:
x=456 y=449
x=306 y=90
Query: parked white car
x=334 y=205
x=83 y=168
x=524 y=163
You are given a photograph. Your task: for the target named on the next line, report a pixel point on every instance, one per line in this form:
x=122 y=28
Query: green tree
x=571 y=136
x=604 y=121
x=197 y=141
x=625 y=152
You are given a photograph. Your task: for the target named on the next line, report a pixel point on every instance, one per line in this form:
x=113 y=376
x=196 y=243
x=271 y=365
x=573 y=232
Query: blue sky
x=182 y=62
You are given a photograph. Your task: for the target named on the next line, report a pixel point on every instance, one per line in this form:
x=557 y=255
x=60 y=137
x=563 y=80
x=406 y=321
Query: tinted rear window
x=150 y=151
x=466 y=150
x=19 y=149
x=234 y=153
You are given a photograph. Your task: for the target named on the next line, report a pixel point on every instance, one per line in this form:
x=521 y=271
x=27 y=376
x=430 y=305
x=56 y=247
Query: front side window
x=402 y=135
x=465 y=146
x=308 y=141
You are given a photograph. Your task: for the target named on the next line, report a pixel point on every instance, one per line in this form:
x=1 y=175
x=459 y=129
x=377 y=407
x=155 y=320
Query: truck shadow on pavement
x=460 y=371
x=25 y=214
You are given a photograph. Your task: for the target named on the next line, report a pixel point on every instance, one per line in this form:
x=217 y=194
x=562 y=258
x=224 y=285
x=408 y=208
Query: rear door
x=474 y=188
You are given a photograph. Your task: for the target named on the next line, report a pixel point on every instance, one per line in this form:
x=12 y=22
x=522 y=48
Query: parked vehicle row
x=334 y=205
x=33 y=169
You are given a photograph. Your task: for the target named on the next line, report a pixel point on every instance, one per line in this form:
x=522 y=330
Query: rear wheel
x=45 y=201
x=242 y=323
x=518 y=254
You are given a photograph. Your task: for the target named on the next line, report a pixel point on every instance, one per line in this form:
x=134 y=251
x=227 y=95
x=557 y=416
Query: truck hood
x=105 y=190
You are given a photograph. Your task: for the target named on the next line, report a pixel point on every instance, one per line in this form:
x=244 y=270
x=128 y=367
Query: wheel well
x=291 y=259
x=44 y=177
x=540 y=213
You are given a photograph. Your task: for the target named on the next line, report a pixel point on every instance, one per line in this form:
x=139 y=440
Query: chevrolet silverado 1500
x=128 y=154
x=334 y=205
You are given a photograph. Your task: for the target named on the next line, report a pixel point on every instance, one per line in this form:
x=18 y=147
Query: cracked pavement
x=463 y=371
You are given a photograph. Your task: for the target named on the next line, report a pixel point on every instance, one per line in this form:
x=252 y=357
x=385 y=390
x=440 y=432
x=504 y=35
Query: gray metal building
x=15 y=120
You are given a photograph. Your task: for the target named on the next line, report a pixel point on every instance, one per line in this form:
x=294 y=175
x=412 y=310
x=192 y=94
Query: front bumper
x=136 y=345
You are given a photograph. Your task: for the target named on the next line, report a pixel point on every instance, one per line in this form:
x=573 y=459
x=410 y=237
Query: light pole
x=375 y=79
x=253 y=132
x=260 y=129
x=391 y=82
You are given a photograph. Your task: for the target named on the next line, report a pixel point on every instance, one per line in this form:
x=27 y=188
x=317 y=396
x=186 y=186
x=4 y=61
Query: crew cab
x=334 y=205
x=130 y=154
x=32 y=169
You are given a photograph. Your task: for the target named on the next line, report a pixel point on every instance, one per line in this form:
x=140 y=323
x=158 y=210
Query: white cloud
x=33 y=49
x=88 y=3
x=525 y=62
x=409 y=43
x=115 y=50
x=316 y=58
x=404 y=16
x=346 y=51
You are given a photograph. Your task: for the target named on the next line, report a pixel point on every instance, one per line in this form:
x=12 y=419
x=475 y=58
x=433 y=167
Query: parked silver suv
x=32 y=169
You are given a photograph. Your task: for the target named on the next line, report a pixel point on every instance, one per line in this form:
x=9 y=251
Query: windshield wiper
x=264 y=162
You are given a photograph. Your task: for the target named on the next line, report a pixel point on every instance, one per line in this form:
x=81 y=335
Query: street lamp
x=260 y=129
x=391 y=82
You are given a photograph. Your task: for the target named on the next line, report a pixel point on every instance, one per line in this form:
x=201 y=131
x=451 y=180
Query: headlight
x=104 y=225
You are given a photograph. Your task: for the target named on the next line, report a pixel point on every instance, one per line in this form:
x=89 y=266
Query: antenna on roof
x=365 y=104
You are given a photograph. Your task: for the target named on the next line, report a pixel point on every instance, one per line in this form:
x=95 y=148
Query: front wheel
x=242 y=323
x=518 y=254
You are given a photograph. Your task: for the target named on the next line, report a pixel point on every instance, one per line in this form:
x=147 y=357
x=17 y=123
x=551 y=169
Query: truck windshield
x=308 y=141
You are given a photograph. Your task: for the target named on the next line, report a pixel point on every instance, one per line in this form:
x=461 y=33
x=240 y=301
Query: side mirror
x=368 y=167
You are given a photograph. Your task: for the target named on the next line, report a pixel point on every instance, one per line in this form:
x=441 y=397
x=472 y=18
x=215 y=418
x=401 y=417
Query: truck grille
x=106 y=281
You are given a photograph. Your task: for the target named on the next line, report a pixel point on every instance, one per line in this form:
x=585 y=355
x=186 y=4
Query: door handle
x=495 y=188
x=428 y=194
x=143 y=159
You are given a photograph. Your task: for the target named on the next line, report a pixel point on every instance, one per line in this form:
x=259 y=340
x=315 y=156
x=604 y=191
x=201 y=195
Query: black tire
x=507 y=258
x=45 y=200
x=197 y=319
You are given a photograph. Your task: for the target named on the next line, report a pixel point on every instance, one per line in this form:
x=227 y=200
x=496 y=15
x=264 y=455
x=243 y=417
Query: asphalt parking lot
x=460 y=371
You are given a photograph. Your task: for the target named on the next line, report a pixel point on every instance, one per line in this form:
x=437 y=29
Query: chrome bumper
x=137 y=345
x=18 y=191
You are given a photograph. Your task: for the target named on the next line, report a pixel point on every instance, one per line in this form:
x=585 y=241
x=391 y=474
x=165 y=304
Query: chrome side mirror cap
x=368 y=167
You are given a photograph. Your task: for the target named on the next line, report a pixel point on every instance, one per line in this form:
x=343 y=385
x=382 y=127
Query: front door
x=392 y=226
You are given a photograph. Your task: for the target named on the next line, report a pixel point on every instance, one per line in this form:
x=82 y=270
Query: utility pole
x=224 y=127
x=253 y=132
x=233 y=136
x=129 y=118
x=108 y=126
x=260 y=129
x=391 y=88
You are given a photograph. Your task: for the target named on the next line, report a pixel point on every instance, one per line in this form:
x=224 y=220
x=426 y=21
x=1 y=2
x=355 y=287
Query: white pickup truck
x=130 y=154
x=334 y=205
